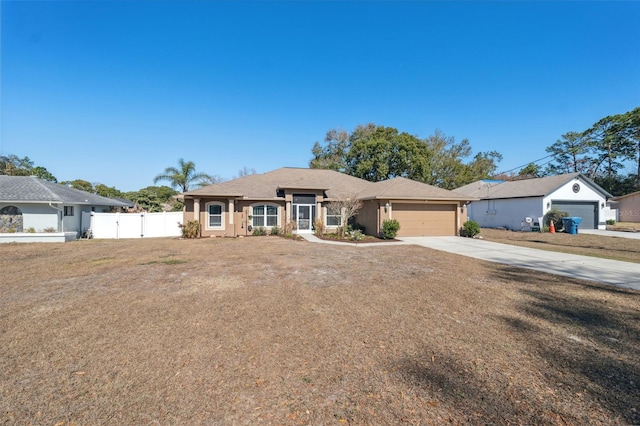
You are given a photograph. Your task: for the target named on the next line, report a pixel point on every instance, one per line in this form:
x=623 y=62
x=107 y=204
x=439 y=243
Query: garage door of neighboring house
x=588 y=211
x=418 y=220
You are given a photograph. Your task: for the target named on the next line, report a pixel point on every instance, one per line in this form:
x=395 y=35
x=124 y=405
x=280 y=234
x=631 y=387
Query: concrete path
x=620 y=234
x=623 y=274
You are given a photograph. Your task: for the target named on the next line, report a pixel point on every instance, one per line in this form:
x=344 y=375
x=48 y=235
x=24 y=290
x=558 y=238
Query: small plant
x=556 y=216
x=356 y=235
x=191 y=229
x=31 y=230
x=470 y=229
x=275 y=230
x=390 y=228
x=49 y=230
x=319 y=227
x=11 y=230
x=289 y=227
x=259 y=231
x=611 y=221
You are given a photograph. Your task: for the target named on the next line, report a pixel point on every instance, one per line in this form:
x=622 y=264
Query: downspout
x=61 y=215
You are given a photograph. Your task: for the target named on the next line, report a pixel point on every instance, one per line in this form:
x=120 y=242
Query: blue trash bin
x=571 y=224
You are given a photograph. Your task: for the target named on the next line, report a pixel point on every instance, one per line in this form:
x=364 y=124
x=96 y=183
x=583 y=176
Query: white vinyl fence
x=133 y=225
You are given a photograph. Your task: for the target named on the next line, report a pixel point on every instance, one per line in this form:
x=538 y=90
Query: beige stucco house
x=299 y=196
x=629 y=207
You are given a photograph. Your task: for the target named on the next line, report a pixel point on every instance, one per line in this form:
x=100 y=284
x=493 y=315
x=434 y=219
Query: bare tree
x=347 y=207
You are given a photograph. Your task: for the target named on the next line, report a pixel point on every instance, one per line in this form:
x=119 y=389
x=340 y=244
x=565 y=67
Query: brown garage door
x=417 y=220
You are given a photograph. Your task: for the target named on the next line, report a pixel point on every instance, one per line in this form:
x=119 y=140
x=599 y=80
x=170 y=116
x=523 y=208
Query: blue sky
x=115 y=91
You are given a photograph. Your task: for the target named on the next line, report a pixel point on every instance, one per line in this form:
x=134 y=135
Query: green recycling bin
x=571 y=224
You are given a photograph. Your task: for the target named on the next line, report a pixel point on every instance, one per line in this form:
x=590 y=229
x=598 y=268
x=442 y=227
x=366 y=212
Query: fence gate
x=134 y=225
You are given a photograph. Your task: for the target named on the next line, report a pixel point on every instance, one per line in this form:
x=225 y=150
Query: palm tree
x=183 y=176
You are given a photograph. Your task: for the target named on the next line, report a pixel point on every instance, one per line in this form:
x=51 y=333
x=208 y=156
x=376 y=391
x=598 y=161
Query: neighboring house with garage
x=299 y=196
x=508 y=204
x=33 y=209
x=629 y=207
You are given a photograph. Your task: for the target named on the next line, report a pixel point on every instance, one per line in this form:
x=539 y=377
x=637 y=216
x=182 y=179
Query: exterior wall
x=629 y=208
x=371 y=216
x=586 y=194
x=25 y=237
x=505 y=213
x=37 y=216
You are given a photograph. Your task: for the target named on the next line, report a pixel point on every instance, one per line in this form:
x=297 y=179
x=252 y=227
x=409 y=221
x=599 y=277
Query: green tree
x=630 y=133
x=43 y=174
x=154 y=198
x=12 y=165
x=378 y=153
x=183 y=177
x=531 y=170
x=333 y=153
x=80 y=184
x=571 y=154
x=107 y=191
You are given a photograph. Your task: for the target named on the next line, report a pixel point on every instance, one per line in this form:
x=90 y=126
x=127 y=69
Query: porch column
x=231 y=211
x=287 y=212
x=196 y=209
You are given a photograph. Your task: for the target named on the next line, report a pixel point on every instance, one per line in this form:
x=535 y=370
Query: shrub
x=289 y=227
x=318 y=227
x=31 y=230
x=390 y=228
x=356 y=235
x=191 y=229
x=611 y=221
x=275 y=230
x=556 y=216
x=470 y=229
x=49 y=230
x=259 y=231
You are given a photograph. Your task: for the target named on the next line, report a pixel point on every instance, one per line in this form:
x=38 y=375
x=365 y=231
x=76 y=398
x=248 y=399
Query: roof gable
x=536 y=187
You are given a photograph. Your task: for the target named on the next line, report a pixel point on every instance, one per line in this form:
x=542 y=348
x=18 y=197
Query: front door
x=304 y=217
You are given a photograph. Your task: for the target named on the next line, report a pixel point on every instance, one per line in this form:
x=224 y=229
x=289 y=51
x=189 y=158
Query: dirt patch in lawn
x=617 y=248
x=274 y=331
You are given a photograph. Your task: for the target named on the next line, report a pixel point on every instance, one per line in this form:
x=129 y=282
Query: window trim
x=338 y=215
x=222 y=215
x=265 y=215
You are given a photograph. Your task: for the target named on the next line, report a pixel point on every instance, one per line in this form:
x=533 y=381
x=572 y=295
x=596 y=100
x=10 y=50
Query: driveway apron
x=614 y=272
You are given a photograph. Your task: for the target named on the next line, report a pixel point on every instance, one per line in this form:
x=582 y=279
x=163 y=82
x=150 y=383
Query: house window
x=216 y=216
x=68 y=210
x=265 y=215
x=334 y=218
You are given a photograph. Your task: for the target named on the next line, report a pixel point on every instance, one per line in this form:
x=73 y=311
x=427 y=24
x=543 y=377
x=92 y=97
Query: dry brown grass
x=617 y=248
x=271 y=331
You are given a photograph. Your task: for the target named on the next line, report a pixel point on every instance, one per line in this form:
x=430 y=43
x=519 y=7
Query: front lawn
x=275 y=331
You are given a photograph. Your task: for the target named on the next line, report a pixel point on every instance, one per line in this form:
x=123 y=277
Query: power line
x=524 y=165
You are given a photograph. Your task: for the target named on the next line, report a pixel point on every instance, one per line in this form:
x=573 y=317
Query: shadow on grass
x=470 y=398
x=588 y=335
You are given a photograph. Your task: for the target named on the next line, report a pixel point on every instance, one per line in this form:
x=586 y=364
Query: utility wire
x=524 y=165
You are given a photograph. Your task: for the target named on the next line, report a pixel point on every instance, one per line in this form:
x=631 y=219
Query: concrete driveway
x=622 y=274
x=619 y=234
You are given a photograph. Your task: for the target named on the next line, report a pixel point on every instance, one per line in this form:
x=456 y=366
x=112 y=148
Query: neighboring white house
x=508 y=204
x=30 y=206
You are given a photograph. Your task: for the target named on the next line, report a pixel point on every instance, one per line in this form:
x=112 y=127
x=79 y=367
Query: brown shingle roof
x=403 y=188
x=335 y=184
